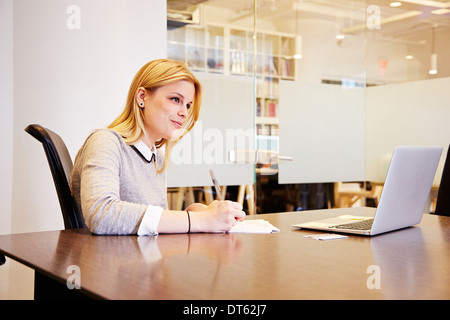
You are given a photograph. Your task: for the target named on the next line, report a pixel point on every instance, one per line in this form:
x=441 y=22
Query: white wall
x=69 y=80
x=6 y=112
x=6 y=131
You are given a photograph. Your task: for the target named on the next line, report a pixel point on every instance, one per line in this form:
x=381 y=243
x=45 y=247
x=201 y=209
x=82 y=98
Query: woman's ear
x=140 y=97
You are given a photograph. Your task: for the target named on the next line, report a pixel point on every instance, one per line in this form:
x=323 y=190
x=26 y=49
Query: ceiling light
x=440 y=11
x=298 y=40
x=340 y=36
x=433 y=69
x=409 y=57
x=395 y=4
x=298 y=48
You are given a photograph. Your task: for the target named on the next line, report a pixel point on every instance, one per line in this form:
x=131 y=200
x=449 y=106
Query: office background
x=73 y=75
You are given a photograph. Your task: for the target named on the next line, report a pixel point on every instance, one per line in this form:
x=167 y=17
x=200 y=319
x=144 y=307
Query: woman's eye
x=176 y=99
x=188 y=106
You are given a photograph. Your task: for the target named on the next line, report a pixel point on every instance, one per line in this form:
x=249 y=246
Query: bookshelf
x=274 y=54
x=200 y=47
x=274 y=62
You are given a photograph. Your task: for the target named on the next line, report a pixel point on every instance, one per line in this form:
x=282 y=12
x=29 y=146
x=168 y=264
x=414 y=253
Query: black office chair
x=443 y=198
x=61 y=166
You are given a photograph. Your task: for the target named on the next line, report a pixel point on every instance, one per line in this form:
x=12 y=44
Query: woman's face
x=166 y=109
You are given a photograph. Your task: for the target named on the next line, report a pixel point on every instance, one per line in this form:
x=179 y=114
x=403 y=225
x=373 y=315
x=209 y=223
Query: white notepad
x=254 y=226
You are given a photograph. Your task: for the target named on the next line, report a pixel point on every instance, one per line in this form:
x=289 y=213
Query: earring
x=141 y=104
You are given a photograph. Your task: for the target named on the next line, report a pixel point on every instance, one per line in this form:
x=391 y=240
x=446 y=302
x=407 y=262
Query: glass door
x=317 y=134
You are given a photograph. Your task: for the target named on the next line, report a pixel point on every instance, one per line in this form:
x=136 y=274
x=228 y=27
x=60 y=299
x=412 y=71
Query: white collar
x=145 y=151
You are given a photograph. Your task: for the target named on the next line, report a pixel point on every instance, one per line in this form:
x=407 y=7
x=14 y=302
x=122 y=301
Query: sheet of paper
x=254 y=226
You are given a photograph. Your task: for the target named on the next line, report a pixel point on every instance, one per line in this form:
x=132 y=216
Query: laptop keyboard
x=360 y=225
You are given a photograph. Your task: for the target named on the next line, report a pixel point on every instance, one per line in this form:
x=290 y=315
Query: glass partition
x=331 y=88
x=319 y=123
x=408 y=69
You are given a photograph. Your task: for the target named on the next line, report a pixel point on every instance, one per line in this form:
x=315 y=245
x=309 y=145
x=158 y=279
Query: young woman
x=119 y=174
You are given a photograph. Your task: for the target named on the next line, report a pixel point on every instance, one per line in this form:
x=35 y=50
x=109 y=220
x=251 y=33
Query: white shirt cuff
x=149 y=223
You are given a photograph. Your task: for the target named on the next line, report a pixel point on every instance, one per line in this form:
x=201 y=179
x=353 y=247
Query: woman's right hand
x=219 y=216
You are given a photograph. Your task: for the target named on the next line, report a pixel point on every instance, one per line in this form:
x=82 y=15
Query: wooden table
x=412 y=263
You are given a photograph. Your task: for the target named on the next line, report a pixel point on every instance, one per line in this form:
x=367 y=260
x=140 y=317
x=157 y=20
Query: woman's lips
x=177 y=124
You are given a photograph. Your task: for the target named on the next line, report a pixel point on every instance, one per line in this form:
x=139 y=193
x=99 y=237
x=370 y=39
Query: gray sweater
x=113 y=184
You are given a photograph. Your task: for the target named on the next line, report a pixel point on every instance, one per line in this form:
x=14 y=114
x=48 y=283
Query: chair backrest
x=443 y=198
x=61 y=166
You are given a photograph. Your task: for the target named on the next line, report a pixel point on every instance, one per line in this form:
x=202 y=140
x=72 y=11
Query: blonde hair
x=153 y=75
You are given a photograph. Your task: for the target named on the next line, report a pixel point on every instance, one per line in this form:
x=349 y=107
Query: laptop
x=402 y=201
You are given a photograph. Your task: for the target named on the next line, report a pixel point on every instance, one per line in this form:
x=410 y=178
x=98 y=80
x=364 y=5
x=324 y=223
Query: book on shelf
x=267 y=130
x=258 y=107
x=270 y=108
x=238 y=63
x=271 y=68
x=286 y=68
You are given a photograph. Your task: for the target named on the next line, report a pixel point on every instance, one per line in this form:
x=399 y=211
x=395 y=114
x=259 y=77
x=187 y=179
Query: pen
x=218 y=191
x=216 y=184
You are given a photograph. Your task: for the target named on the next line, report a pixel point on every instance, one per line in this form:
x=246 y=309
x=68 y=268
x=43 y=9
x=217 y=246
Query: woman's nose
x=183 y=111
